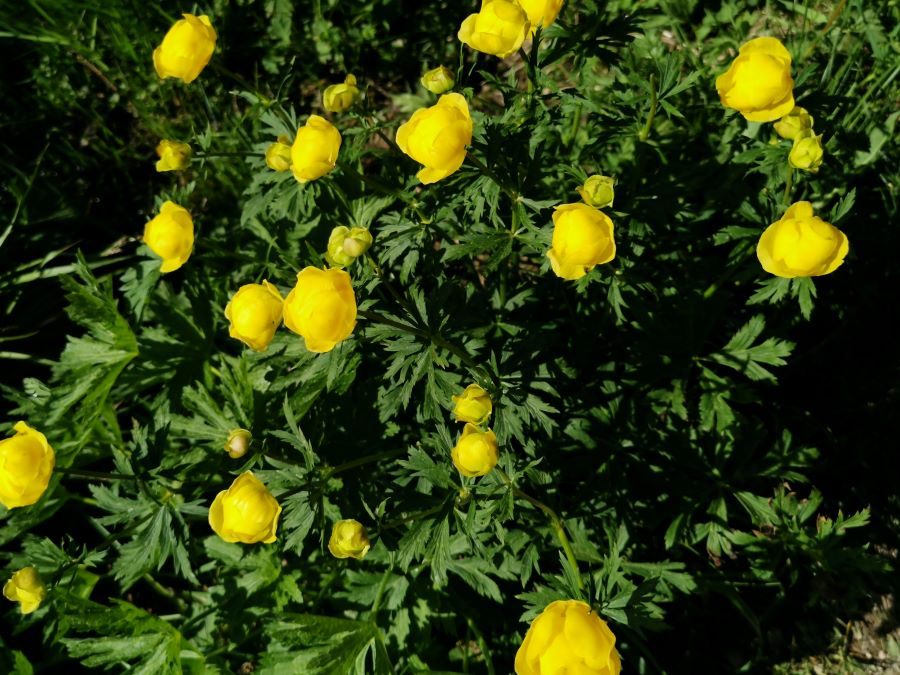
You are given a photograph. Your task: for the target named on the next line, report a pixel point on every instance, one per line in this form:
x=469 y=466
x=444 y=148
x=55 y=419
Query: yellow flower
x=437 y=137
x=568 y=637
x=807 y=152
x=801 y=245
x=173 y=156
x=315 y=149
x=186 y=48
x=499 y=28
x=541 y=12
x=26 y=462
x=582 y=238
x=25 y=587
x=348 y=540
x=278 y=154
x=794 y=123
x=438 y=80
x=473 y=405
x=170 y=235
x=339 y=97
x=598 y=191
x=255 y=314
x=758 y=84
x=321 y=308
x=345 y=245
x=476 y=452
x=246 y=512
x=238 y=443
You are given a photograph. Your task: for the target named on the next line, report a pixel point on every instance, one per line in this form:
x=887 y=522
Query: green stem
x=367 y=459
x=787 y=186
x=393 y=291
x=481 y=166
x=645 y=132
x=379 y=594
x=482 y=644
x=210 y=155
x=97 y=475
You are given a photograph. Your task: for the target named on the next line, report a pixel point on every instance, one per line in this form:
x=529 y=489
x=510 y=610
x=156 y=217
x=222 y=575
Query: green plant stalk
x=481 y=166
x=482 y=644
x=361 y=461
x=95 y=475
x=645 y=132
x=786 y=198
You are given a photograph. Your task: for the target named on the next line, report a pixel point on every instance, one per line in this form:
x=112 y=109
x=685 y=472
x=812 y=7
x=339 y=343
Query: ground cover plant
x=384 y=336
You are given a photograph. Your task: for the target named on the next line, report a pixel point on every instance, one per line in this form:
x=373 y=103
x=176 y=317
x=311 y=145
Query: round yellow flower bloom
x=170 y=235
x=598 y=191
x=476 y=452
x=25 y=587
x=339 y=97
x=807 y=152
x=758 y=84
x=794 y=123
x=26 y=463
x=499 y=28
x=186 y=48
x=246 y=512
x=349 y=540
x=438 y=80
x=321 y=308
x=437 y=137
x=473 y=405
x=278 y=154
x=238 y=443
x=315 y=149
x=801 y=245
x=346 y=244
x=541 y=12
x=582 y=238
x=173 y=156
x=568 y=637
x=255 y=314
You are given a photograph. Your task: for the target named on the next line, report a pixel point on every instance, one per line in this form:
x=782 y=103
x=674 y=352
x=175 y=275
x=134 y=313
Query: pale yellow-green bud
x=794 y=123
x=598 y=191
x=238 y=442
x=438 y=80
x=346 y=245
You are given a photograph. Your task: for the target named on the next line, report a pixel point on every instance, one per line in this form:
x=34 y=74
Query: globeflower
x=173 y=156
x=26 y=464
x=186 y=48
x=246 y=512
x=339 y=97
x=278 y=154
x=321 y=308
x=315 y=149
x=582 y=238
x=541 y=12
x=437 y=137
x=758 y=83
x=170 y=235
x=238 y=443
x=438 y=80
x=801 y=244
x=346 y=244
x=25 y=587
x=473 y=405
x=598 y=191
x=476 y=452
x=807 y=152
x=794 y=123
x=349 y=540
x=254 y=313
x=499 y=28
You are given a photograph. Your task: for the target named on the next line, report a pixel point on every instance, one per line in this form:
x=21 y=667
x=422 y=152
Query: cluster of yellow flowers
x=476 y=451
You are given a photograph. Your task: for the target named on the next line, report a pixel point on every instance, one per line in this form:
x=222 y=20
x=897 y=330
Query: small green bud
x=346 y=245
x=238 y=442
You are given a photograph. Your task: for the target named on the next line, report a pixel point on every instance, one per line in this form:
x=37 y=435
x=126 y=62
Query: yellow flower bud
x=801 y=244
x=807 y=152
x=437 y=136
x=598 y=191
x=321 y=308
x=476 y=452
x=345 y=245
x=315 y=149
x=348 y=540
x=541 y=12
x=170 y=235
x=26 y=463
x=25 y=587
x=438 y=80
x=794 y=123
x=238 y=443
x=499 y=28
x=473 y=405
x=758 y=83
x=173 y=156
x=339 y=97
x=582 y=238
x=568 y=637
x=255 y=314
x=246 y=512
x=186 y=48
x=278 y=154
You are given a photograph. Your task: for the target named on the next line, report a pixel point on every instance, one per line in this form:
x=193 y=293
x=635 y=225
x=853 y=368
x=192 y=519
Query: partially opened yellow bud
x=173 y=156
x=794 y=123
x=568 y=637
x=238 y=443
x=437 y=137
x=255 y=314
x=26 y=464
x=473 y=405
x=801 y=244
x=170 y=235
x=438 y=80
x=186 y=48
x=25 y=587
x=246 y=512
x=321 y=308
x=499 y=28
x=598 y=191
x=278 y=154
x=758 y=83
x=807 y=152
x=339 y=97
x=476 y=452
x=582 y=238
x=347 y=244
x=315 y=149
x=541 y=12
x=349 y=540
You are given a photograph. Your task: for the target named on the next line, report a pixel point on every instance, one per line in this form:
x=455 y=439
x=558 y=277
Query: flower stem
x=645 y=132
x=481 y=166
x=787 y=186
x=367 y=459
x=95 y=475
